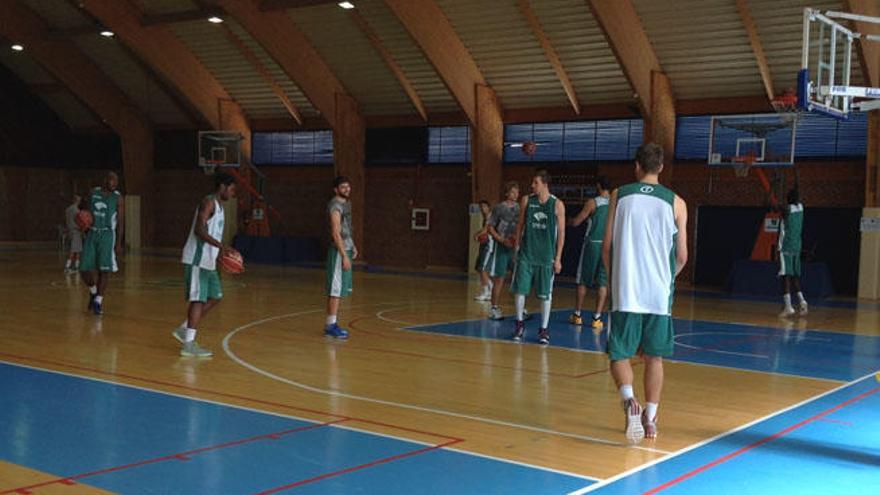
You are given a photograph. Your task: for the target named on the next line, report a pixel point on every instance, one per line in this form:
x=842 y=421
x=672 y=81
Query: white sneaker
x=179 y=333
x=486 y=295
x=787 y=312
x=191 y=349
x=495 y=313
x=635 y=431
x=803 y=309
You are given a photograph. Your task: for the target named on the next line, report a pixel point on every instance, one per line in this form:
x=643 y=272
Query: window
x=449 y=144
x=602 y=140
x=292 y=148
x=817 y=136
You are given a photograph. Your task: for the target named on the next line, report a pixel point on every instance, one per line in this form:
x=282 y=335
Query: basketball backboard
x=219 y=149
x=762 y=140
x=825 y=78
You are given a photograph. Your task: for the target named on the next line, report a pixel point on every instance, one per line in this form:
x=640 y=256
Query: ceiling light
x=346 y=5
x=107 y=33
x=215 y=20
x=17 y=48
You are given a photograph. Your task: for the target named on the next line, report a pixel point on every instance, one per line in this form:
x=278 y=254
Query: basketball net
x=742 y=164
x=210 y=166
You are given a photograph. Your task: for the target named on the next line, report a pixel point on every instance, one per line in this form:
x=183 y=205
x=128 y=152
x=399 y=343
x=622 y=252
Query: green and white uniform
x=487 y=249
x=790 y=231
x=98 y=249
x=504 y=217
x=642 y=271
x=339 y=280
x=591 y=270
x=201 y=278
x=534 y=264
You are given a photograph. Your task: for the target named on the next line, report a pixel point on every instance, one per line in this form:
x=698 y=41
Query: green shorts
x=201 y=284
x=502 y=258
x=484 y=258
x=527 y=275
x=789 y=264
x=98 y=251
x=629 y=332
x=338 y=280
x=591 y=270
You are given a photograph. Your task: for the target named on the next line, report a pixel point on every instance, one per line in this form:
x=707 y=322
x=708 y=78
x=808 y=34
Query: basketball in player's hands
x=83 y=220
x=483 y=238
x=231 y=261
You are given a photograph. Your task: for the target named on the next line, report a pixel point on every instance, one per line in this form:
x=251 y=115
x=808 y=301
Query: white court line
x=336 y=393
x=665 y=458
x=298 y=418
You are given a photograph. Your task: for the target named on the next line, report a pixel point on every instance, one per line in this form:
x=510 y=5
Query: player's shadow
x=814 y=448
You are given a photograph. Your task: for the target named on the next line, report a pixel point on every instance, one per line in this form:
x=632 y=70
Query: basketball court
x=428 y=395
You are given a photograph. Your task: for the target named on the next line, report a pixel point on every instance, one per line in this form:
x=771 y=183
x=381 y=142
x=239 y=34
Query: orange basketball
x=512 y=240
x=231 y=262
x=483 y=238
x=529 y=148
x=83 y=220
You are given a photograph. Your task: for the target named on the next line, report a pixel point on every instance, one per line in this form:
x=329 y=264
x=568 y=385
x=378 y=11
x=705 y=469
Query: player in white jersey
x=644 y=249
x=202 y=282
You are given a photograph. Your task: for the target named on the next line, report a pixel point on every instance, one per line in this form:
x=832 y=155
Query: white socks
x=577 y=312
x=786 y=298
x=520 y=300
x=651 y=410
x=331 y=319
x=93 y=289
x=99 y=299
x=545 y=312
x=801 y=298
x=626 y=392
x=190 y=335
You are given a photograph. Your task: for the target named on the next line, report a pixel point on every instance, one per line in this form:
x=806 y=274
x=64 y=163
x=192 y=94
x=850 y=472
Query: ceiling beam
x=628 y=40
x=168 y=57
x=428 y=26
x=869 y=50
x=392 y=64
x=282 y=39
x=269 y=5
x=264 y=73
x=751 y=28
x=550 y=52
x=201 y=14
x=46 y=88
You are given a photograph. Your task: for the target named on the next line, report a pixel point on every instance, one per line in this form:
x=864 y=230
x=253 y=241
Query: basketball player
x=199 y=258
x=103 y=241
x=790 y=231
x=74 y=234
x=340 y=255
x=541 y=233
x=645 y=248
x=591 y=270
x=502 y=230
x=486 y=251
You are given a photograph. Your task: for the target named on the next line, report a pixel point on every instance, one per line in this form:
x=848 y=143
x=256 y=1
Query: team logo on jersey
x=647 y=189
x=100 y=205
x=540 y=216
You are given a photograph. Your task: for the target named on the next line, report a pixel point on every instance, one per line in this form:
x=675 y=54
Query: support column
x=869 y=252
x=660 y=128
x=138 y=175
x=487 y=146
x=349 y=139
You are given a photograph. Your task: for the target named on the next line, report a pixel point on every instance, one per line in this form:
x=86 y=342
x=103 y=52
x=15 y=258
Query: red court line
x=759 y=443
x=180 y=456
x=228 y=395
x=358 y=468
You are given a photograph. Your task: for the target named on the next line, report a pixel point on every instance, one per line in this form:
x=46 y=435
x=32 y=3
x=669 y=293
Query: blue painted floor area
x=808 y=353
x=69 y=426
x=830 y=445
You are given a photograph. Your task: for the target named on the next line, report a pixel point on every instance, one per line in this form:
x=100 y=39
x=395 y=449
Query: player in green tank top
x=103 y=241
x=790 y=234
x=541 y=234
x=591 y=270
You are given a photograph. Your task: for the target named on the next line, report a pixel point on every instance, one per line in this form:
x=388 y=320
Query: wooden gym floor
x=426 y=396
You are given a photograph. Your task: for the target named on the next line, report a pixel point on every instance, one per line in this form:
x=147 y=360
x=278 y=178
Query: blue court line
x=132 y=440
x=829 y=444
x=804 y=353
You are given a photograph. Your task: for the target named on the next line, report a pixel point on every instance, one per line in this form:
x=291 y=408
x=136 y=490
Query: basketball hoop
x=786 y=105
x=742 y=164
x=210 y=166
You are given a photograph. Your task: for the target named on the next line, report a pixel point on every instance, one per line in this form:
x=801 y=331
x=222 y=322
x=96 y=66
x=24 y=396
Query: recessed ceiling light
x=215 y=20
x=107 y=33
x=346 y=5
x=17 y=48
